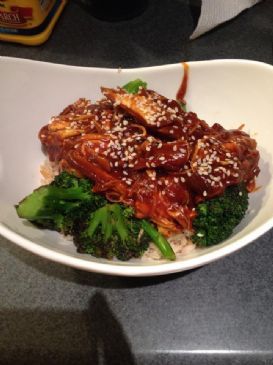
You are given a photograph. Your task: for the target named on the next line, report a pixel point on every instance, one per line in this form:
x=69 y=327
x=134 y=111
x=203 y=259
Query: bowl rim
x=152 y=268
x=162 y=268
x=142 y=68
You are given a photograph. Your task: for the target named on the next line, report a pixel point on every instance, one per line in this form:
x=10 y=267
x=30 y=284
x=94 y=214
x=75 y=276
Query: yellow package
x=28 y=21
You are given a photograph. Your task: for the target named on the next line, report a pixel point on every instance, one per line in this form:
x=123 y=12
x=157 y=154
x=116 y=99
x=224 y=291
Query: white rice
x=48 y=171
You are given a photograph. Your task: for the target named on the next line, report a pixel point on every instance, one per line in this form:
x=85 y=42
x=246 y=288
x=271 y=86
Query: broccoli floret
x=217 y=218
x=113 y=231
x=133 y=86
x=56 y=206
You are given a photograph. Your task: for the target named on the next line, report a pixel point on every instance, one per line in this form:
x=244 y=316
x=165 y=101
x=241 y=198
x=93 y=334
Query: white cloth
x=215 y=12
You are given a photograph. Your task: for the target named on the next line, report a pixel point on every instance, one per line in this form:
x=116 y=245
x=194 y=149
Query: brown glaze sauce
x=180 y=95
x=163 y=162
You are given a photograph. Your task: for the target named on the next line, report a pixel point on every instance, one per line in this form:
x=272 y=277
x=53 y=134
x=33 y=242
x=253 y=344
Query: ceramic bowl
x=230 y=92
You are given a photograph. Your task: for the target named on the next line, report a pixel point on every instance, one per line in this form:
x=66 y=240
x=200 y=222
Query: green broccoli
x=132 y=87
x=217 y=218
x=183 y=105
x=69 y=206
x=160 y=241
x=113 y=231
x=55 y=206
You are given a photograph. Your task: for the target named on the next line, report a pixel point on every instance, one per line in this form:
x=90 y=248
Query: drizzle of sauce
x=183 y=87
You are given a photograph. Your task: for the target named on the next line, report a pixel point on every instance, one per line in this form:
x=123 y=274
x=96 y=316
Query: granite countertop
x=219 y=314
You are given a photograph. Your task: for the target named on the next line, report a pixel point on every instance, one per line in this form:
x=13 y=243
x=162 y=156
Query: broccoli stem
x=120 y=225
x=100 y=216
x=107 y=226
x=160 y=241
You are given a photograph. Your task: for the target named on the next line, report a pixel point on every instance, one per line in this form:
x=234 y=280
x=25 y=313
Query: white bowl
x=231 y=92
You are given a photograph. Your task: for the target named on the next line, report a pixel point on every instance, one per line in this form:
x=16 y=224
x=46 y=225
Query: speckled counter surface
x=221 y=313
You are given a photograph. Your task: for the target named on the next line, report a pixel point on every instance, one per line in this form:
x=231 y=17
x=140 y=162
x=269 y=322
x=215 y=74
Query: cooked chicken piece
x=143 y=150
x=149 y=107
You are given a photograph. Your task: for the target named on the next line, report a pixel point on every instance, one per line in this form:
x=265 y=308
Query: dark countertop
x=221 y=313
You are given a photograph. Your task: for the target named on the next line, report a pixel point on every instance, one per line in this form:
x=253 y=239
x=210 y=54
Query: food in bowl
x=135 y=167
